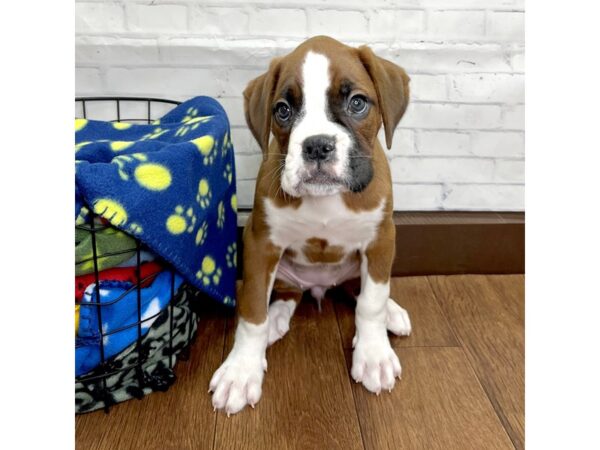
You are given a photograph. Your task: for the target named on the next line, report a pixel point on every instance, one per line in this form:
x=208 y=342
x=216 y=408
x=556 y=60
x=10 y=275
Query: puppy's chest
x=322 y=230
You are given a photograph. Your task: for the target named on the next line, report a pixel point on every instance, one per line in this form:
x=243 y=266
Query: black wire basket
x=144 y=111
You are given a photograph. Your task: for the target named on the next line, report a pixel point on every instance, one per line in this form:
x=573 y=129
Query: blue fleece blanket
x=118 y=312
x=170 y=184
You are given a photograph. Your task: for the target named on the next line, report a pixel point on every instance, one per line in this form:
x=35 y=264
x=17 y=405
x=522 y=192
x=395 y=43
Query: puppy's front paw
x=397 y=320
x=237 y=383
x=375 y=364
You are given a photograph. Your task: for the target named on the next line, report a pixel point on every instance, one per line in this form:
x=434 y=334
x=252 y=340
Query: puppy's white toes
x=237 y=383
x=398 y=321
x=280 y=314
x=375 y=364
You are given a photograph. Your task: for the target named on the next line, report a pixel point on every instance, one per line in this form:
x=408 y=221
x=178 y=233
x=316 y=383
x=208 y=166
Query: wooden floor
x=462 y=381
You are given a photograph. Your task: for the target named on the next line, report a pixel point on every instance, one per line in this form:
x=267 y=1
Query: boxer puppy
x=322 y=209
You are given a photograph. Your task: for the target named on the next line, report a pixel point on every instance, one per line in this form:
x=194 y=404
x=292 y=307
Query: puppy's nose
x=318 y=148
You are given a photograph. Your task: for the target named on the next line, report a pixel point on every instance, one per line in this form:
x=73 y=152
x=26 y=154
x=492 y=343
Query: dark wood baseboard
x=445 y=243
x=435 y=243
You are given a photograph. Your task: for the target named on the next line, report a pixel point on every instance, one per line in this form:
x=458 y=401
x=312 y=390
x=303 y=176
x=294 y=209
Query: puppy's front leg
x=374 y=362
x=238 y=382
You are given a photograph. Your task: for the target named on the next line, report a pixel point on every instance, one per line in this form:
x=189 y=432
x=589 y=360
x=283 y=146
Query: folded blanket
x=170 y=184
x=118 y=310
x=158 y=354
x=112 y=248
x=128 y=274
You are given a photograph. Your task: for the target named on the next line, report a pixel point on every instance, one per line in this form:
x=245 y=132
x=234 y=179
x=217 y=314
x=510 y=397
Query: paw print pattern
x=209 y=273
x=135 y=228
x=228 y=173
x=220 y=215
x=82 y=216
x=204 y=194
x=226 y=145
x=191 y=121
x=124 y=161
x=202 y=233
x=231 y=255
x=207 y=147
x=181 y=220
x=111 y=210
x=228 y=300
x=156 y=133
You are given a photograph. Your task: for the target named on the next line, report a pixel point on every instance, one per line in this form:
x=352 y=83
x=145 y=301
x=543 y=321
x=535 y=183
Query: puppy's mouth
x=320 y=176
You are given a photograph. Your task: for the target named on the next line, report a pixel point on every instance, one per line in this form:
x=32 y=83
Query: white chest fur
x=325 y=218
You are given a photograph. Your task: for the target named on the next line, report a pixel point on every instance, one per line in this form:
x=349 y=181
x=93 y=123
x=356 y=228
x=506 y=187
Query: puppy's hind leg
x=285 y=299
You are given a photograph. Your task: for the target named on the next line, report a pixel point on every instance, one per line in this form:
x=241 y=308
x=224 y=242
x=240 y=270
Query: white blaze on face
x=314 y=120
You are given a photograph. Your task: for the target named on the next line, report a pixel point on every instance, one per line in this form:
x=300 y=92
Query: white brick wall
x=461 y=143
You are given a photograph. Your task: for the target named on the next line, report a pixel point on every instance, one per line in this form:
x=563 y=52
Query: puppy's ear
x=258 y=99
x=391 y=84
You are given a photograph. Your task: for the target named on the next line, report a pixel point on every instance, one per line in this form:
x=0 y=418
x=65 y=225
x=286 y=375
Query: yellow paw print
x=221 y=215
x=226 y=145
x=124 y=161
x=202 y=233
x=157 y=132
x=191 y=122
x=234 y=202
x=181 y=220
x=209 y=273
x=207 y=147
x=111 y=210
x=231 y=255
x=135 y=228
x=80 y=145
x=228 y=173
x=204 y=194
x=228 y=300
x=80 y=124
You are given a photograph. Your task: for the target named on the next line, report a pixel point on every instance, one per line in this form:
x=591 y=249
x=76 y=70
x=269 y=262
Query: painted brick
x=274 y=22
x=395 y=24
x=447 y=58
x=88 y=80
x=507 y=25
x=456 y=24
x=218 y=21
x=499 y=144
x=247 y=166
x=447 y=143
x=164 y=82
x=245 y=193
x=337 y=24
x=428 y=87
x=98 y=17
x=509 y=171
x=484 y=197
x=504 y=88
x=450 y=116
x=412 y=197
x=154 y=18
x=429 y=170
x=514 y=117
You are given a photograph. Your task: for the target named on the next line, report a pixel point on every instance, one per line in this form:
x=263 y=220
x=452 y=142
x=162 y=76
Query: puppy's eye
x=357 y=105
x=283 y=112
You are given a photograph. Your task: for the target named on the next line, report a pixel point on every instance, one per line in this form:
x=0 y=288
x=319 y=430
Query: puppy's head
x=324 y=104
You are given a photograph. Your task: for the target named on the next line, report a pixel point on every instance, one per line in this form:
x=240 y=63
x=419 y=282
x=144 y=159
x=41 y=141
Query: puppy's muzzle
x=319 y=148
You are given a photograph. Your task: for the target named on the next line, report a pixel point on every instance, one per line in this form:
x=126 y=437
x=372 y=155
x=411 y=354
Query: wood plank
x=430 y=327
x=438 y=404
x=181 y=418
x=307 y=396
x=487 y=315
